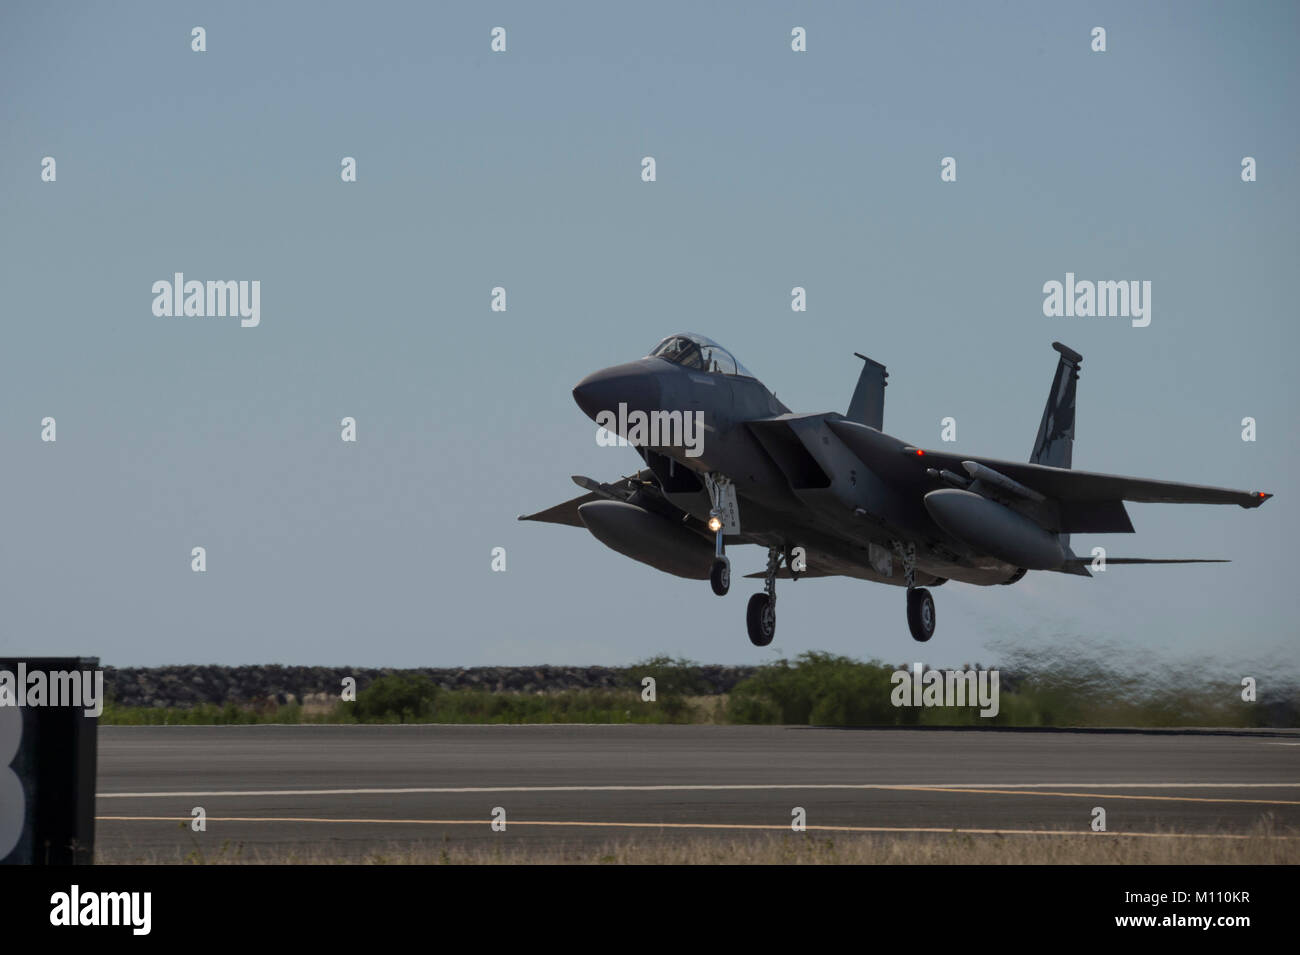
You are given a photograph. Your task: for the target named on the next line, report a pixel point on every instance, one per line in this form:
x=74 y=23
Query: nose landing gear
x=719 y=486
x=720 y=572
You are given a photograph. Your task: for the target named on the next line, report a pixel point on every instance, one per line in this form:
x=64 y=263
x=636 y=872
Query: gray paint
x=840 y=488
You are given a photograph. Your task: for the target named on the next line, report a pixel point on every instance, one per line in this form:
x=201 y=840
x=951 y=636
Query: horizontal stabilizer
x=1087 y=562
x=784 y=574
x=1167 y=560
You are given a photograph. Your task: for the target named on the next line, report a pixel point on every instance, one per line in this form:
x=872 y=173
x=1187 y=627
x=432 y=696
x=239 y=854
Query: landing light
x=715 y=523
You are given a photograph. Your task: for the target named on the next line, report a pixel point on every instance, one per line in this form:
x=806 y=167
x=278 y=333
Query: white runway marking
x=754 y=787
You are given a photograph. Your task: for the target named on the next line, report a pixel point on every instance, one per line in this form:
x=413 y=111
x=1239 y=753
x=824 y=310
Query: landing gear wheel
x=760 y=617
x=720 y=576
x=920 y=614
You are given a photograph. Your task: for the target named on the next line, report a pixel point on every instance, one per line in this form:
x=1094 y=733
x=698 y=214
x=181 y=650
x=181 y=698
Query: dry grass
x=1262 y=846
x=709 y=709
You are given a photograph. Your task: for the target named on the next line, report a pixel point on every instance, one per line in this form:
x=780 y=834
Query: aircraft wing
x=620 y=490
x=566 y=513
x=1068 y=485
x=893 y=459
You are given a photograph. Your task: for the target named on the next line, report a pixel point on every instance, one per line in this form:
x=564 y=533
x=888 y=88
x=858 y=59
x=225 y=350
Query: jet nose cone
x=631 y=385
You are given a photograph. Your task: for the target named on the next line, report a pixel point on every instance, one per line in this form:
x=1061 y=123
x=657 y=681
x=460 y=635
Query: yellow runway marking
x=695 y=825
x=1040 y=792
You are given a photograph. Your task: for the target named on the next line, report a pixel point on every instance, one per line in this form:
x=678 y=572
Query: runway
x=342 y=791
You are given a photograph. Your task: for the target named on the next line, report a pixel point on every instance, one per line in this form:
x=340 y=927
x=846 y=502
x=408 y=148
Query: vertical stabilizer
x=867 y=406
x=1054 y=445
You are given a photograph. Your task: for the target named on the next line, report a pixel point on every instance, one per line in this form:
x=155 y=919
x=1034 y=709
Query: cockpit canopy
x=700 y=353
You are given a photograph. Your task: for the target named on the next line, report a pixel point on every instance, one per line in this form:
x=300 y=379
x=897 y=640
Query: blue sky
x=522 y=169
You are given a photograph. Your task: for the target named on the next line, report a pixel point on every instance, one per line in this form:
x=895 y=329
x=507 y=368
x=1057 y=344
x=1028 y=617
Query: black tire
x=760 y=618
x=720 y=577
x=920 y=614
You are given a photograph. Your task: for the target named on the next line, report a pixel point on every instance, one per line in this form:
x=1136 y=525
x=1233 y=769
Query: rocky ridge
x=196 y=684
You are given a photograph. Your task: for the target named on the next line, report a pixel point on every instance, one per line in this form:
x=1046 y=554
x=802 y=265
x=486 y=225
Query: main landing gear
x=920 y=605
x=920 y=614
x=760 y=615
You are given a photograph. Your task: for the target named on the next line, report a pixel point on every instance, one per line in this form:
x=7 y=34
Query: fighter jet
x=829 y=494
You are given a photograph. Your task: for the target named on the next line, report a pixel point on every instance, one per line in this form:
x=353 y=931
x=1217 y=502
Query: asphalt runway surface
x=345 y=791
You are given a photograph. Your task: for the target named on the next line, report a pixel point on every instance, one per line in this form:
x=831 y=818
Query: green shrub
x=673 y=677
x=820 y=689
x=397 y=698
